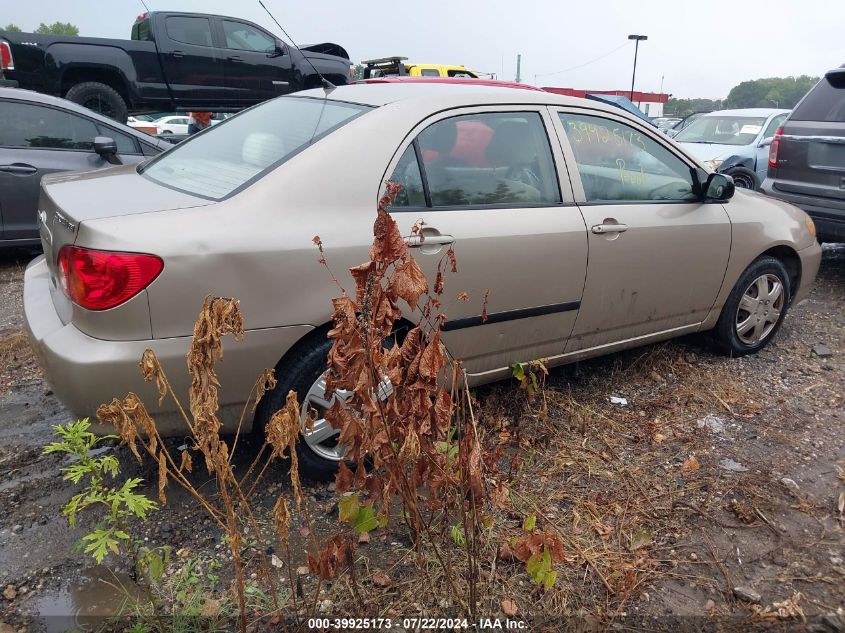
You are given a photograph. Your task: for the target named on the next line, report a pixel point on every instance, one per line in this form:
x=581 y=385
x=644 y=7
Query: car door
x=254 y=67
x=484 y=180
x=657 y=255
x=36 y=140
x=192 y=64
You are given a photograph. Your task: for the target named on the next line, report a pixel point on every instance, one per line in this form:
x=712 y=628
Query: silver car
x=592 y=232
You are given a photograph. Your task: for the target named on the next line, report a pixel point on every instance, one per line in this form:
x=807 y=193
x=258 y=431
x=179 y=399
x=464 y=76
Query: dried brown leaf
x=690 y=464
x=509 y=607
x=281 y=519
x=162 y=476
x=408 y=282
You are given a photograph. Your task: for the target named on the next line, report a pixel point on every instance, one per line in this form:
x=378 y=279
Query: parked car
x=683 y=123
x=174 y=60
x=806 y=164
x=734 y=142
x=505 y=174
x=666 y=123
x=43 y=135
x=172 y=124
x=397 y=67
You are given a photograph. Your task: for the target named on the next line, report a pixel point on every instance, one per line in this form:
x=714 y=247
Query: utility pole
x=518 y=68
x=637 y=39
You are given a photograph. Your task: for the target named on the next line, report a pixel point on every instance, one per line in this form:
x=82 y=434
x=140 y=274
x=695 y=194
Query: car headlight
x=811 y=226
x=713 y=165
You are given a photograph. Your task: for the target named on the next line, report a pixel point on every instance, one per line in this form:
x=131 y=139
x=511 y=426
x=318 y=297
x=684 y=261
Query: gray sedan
x=43 y=135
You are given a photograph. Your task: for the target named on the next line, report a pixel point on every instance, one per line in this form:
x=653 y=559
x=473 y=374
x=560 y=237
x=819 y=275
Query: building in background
x=651 y=103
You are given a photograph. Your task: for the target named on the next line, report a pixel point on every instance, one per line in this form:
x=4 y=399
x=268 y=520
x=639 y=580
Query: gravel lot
x=757 y=516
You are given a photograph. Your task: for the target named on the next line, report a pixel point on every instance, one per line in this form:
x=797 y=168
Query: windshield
x=241 y=150
x=724 y=130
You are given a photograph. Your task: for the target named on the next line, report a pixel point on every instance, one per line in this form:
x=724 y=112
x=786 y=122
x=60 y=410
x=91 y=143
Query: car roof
x=472 y=81
x=755 y=112
x=448 y=93
x=21 y=94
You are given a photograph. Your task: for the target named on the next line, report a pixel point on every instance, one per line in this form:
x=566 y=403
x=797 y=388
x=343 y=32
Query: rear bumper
x=830 y=220
x=8 y=83
x=86 y=372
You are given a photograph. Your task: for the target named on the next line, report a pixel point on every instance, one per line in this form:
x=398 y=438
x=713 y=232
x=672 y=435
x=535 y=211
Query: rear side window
x=430 y=72
x=189 y=30
x=493 y=158
x=228 y=157
x=619 y=163
x=40 y=127
x=824 y=102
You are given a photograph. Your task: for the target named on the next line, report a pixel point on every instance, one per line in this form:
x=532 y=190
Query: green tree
x=58 y=28
x=359 y=72
x=770 y=92
x=12 y=28
x=685 y=107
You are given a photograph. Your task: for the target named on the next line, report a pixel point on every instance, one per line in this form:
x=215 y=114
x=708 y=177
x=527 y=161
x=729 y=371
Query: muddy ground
x=709 y=500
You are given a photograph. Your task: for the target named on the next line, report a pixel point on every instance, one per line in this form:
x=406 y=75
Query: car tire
x=299 y=371
x=744 y=178
x=100 y=98
x=753 y=304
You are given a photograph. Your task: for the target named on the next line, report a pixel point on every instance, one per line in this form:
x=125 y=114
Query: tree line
x=56 y=28
x=770 y=92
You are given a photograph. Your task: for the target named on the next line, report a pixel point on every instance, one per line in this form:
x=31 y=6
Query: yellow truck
x=399 y=66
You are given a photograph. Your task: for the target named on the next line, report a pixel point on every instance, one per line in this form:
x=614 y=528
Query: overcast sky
x=696 y=49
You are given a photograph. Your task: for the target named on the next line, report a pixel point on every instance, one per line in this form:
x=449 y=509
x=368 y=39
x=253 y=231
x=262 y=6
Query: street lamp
x=636 y=39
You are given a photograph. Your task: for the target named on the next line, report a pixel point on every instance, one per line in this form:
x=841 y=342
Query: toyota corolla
x=592 y=231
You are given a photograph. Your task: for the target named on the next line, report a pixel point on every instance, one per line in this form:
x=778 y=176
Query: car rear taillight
x=99 y=280
x=774 y=147
x=7 y=62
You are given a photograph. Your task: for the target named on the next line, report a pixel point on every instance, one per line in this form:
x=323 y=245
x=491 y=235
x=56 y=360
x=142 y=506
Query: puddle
x=86 y=605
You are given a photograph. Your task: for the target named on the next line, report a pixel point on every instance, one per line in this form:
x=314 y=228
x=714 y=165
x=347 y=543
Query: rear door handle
x=177 y=54
x=601 y=229
x=18 y=168
x=234 y=58
x=417 y=241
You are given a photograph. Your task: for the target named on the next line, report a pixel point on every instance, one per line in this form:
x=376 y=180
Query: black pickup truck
x=174 y=62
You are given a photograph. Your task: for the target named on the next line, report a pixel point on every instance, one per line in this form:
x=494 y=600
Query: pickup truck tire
x=100 y=98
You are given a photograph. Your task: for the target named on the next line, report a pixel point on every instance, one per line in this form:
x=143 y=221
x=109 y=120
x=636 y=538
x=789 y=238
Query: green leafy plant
x=531 y=376
x=538 y=550
x=119 y=503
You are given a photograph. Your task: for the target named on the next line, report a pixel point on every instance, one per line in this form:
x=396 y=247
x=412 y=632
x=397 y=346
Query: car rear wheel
x=303 y=371
x=100 y=98
x=755 y=309
x=744 y=178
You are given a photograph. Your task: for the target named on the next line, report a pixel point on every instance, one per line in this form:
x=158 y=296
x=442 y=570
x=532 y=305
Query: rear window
x=241 y=150
x=824 y=102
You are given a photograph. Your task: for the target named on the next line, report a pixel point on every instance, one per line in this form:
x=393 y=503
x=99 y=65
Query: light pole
x=636 y=39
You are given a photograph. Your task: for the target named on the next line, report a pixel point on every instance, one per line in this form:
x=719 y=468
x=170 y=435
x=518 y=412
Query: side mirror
x=719 y=188
x=765 y=142
x=281 y=49
x=107 y=148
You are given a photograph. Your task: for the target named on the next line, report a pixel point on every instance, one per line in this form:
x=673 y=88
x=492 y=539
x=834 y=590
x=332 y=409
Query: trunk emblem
x=61 y=220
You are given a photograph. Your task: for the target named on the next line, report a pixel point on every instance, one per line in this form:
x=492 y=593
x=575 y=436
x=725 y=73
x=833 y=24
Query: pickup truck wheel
x=100 y=98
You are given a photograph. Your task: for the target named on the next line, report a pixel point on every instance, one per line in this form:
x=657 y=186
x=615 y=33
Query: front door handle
x=601 y=229
x=18 y=168
x=177 y=54
x=418 y=241
x=234 y=58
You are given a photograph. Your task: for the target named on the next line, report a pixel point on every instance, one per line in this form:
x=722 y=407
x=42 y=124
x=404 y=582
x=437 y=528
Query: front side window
x=244 y=37
x=39 y=127
x=493 y=158
x=189 y=30
x=722 y=130
x=217 y=163
x=774 y=124
x=619 y=163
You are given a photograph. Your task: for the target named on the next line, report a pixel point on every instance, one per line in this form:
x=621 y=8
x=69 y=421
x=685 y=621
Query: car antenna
x=327 y=85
